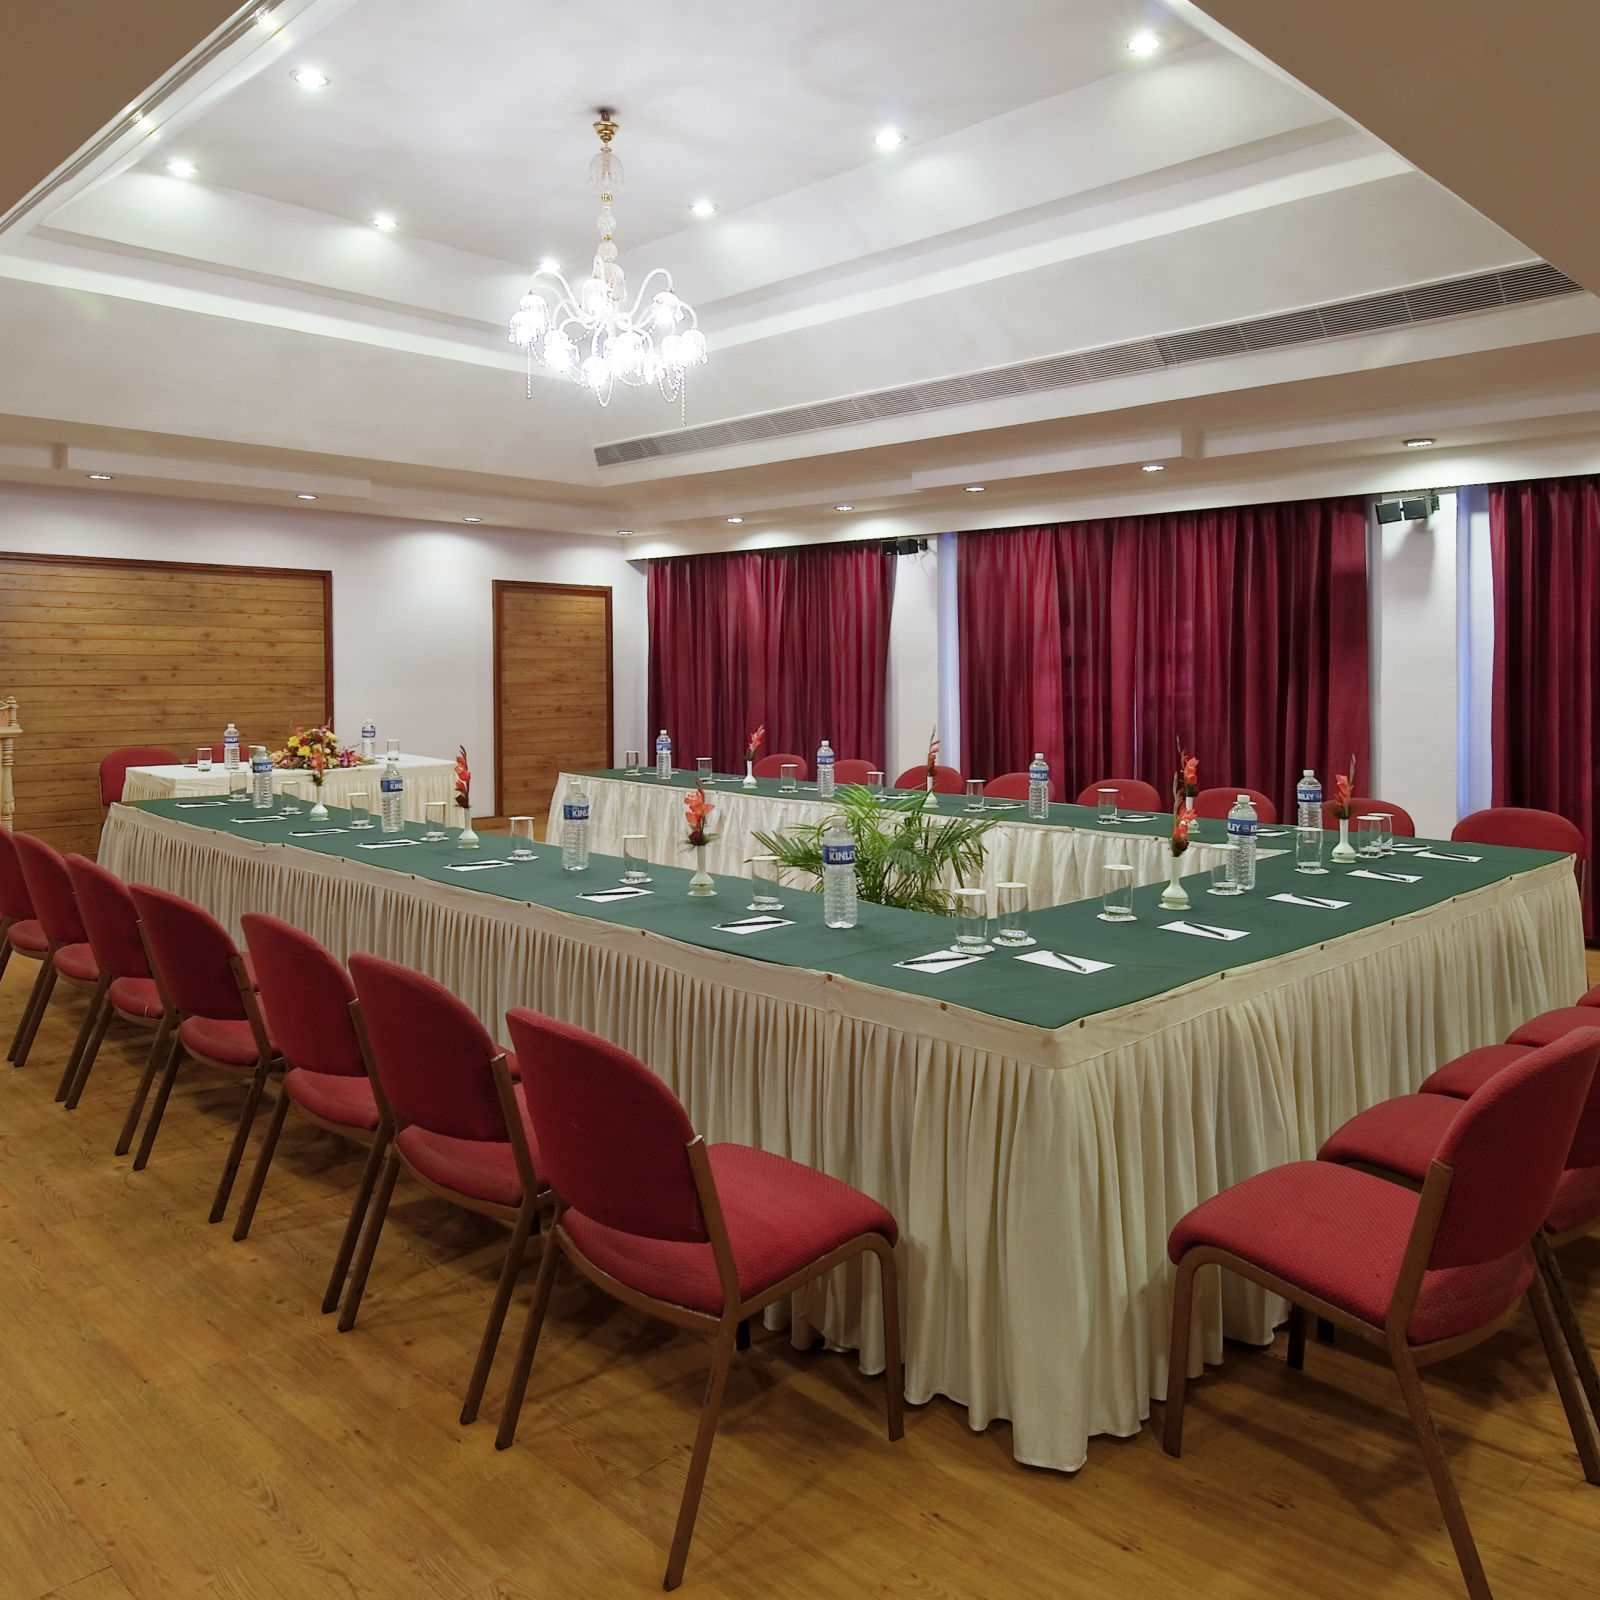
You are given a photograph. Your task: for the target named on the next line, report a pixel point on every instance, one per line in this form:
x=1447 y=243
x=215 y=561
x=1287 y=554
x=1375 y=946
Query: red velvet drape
x=795 y=639
x=1545 y=539
x=1242 y=632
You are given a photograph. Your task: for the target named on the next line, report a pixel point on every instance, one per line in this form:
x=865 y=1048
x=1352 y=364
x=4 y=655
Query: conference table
x=1036 y=1120
x=429 y=780
x=1060 y=859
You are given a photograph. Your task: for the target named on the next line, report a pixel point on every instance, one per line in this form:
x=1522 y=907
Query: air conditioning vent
x=1429 y=302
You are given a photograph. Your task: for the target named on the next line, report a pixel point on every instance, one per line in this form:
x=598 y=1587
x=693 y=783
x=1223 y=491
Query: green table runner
x=1146 y=957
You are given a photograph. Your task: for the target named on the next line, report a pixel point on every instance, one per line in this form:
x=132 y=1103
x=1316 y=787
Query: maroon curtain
x=795 y=639
x=1241 y=632
x=1545 y=539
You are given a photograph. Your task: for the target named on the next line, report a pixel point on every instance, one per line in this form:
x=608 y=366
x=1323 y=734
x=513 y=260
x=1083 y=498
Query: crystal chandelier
x=591 y=334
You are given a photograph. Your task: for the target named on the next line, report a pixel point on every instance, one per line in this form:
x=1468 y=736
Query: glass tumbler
x=1106 y=806
x=434 y=811
x=702 y=767
x=634 y=859
x=972 y=922
x=875 y=782
x=238 y=783
x=291 y=793
x=202 y=758
x=630 y=760
x=974 y=794
x=1117 y=900
x=360 y=803
x=1308 y=851
x=789 y=779
x=766 y=878
x=1369 y=840
x=521 y=839
x=1222 y=881
x=1012 y=926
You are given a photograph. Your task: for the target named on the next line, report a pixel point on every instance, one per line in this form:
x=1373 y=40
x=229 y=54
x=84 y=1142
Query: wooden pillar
x=10 y=731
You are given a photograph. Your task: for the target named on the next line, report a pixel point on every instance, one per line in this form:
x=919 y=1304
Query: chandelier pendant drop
x=591 y=334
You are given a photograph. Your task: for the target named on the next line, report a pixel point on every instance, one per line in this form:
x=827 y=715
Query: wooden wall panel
x=552 y=689
x=108 y=653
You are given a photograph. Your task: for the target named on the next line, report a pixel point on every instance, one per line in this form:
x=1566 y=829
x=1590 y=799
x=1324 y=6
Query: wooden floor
x=177 y=1419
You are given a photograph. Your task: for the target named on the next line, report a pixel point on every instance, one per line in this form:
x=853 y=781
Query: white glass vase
x=749 y=774
x=1343 y=852
x=1174 y=897
x=702 y=884
x=466 y=839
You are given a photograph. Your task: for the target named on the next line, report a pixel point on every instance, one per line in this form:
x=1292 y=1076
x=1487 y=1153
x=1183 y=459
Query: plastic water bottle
x=1242 y=836
x=369 y=740
x=260 y=778
x=575 y=829
x=839 y=877
x=825 y=771
x=664 y=756
x=1038 y=788
x=230 y=748
x=1308 y=800
x=392 y=796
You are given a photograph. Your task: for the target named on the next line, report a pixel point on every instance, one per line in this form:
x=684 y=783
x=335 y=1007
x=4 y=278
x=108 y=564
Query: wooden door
x=102 y=653
x=552 y=689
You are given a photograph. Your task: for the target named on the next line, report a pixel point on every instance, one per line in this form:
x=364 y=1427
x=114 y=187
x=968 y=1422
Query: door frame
x=501 y=585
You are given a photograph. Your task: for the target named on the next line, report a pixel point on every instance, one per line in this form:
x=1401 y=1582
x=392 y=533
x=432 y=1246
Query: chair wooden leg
x=1297 y=1338
x=1326 y=1332
x=495 y=1321
x=158 y=1107
x=1455 y=1518
x=1178 y=1357
x=1572 y=1331
x=518 y=1387
x=689 y=1508
x=893 y=1365
x=369 y=1240
x=90 y=1055
x=91 y=1017
x=258 y=1176
x=241 y=1137
x=43 y=987
x=352 y=1228
x=5 y=945
x=158 y=1049
x=1566 y=1376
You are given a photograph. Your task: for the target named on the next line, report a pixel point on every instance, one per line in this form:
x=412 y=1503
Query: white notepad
x=1206 y=930
x=1081 y=965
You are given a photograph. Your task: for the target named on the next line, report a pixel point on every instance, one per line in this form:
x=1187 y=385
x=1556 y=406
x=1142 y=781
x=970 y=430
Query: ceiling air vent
x=1428 y=302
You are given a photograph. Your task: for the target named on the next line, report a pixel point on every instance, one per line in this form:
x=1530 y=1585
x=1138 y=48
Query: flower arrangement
x=463 y=782
x=697 y=813
x=755 y=742
x=1185 y=786
x=1344 y=793
x=303 y=742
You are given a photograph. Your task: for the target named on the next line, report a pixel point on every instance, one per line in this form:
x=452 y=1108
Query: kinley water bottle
x=1308 y=800
x=825 y=771
x=839 y=877
x=230 y=747
x=1038 y=789
x=392 y=792
x=575 y=830
x=664 y=756
x=260 y=778
x=1242 y=836
x=369 y=740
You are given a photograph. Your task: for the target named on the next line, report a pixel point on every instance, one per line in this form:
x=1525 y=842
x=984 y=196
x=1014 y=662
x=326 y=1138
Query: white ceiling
x=241 y=332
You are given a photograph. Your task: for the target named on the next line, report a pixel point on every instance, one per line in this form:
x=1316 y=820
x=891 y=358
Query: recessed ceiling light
x=472 y=519
x=305 y=497
x=888 y=138
x=624 y=533
x=1144 y=43
x=383 y=222
x=1152 y=466
x=1419 y=444
x=975 y=488
x=735 y=519
x=844 y=508
x=704 y=208
x=180 y=168
x=549 y=264
x=101 y=477
x=310 y=78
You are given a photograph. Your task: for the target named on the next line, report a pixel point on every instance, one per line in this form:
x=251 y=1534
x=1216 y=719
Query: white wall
x=413 y=633
x=913 y=678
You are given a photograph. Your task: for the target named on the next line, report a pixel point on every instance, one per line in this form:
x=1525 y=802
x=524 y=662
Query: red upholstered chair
x=1400 y=823
x=851 y=771
x=701 y=1236
x=946 y=780
x=125 y=988
x=19 y=927
x=1133 y=794
x=114 y=767
x=1425 y=1274
x=1218 y=802
x=450 y=1114
x=1529 y=829
x=772 y=767
x=306 y=997
x=1014 y=786
x=214 y=1019
x=67 y=953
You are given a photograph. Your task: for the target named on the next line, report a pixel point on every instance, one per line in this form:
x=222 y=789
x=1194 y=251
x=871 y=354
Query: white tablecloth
x=1035 y=1173
x=428 y=779
x=1058 y=863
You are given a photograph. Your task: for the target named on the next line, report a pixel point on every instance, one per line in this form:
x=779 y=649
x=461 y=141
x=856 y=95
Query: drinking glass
x=1107 y=799
x=521 y=839
x=630 y=760
x=1118 y=897
x=1012 y=929
x=634 y=859
x=703 y=768
x=974 y=794
x=202 y=758
x=391 y=747
x=972 y=922
x=238 y=784
x=291 y=792
x=360 y=803
x=766 y=878
x=1380 y=827
x=1222 y=881
x=1369 y=826
x=434 y=811
x=875 y=782
x=789 y=779
x=1308 y=851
